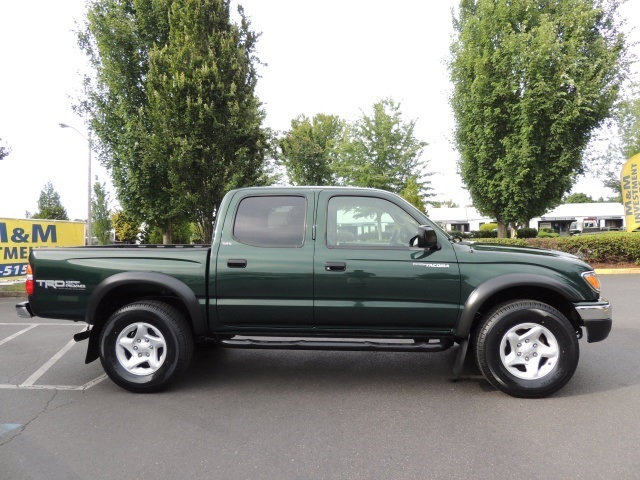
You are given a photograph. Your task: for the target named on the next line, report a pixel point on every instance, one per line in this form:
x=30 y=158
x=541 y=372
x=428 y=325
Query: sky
x=336 y=57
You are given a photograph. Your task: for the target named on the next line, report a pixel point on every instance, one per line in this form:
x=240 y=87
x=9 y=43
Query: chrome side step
x=433 y=345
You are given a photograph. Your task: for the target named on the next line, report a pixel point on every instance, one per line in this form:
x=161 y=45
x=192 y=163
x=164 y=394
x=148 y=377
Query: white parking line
x=29 y=383
x=43 y=324
x=93 y=382
x=11 y=337
x=22 y=386
x=43 y=369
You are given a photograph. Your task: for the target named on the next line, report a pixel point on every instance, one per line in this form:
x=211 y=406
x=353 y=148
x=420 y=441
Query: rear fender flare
x=181 y=290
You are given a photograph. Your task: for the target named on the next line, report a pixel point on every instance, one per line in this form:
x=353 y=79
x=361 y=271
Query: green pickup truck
x=324 y=268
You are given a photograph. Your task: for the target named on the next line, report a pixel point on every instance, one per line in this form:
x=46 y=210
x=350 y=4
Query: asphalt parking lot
x=52 y=357
x=285 y=414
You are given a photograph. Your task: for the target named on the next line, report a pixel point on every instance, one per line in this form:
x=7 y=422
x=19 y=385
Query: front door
x=367 y=275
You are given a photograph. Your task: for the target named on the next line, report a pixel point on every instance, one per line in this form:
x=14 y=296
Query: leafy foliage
x=527 y=232
x=610 y=248
x=309 y=149
x=100 y=214
x=49 y=205
x=173 y=103
x=4 y=151
x=531 y=81
x=381 y=151
x=623 y=140
x=577 y=198
x=444 y=203
x=628 y=117
x=484 y=233
x=488 y=227
x=182 y=234
x=411 y=194
x=126 y=228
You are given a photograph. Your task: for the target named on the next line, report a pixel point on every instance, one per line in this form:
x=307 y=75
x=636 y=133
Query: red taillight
x=29 y=283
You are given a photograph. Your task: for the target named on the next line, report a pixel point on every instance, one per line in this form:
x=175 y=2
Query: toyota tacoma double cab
x=324 y=268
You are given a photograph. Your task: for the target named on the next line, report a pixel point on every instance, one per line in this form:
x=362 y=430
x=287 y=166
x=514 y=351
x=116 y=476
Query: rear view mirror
x=426 y=238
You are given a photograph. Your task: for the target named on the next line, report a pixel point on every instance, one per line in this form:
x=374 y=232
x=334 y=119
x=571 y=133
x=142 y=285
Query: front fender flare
x=180 y=289
x=485 y=290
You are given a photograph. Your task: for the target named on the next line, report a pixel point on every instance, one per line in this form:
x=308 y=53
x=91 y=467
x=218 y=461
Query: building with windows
x=467 y=219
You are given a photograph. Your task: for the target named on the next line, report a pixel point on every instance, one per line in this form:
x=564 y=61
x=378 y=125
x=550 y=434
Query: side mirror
x=426 y=238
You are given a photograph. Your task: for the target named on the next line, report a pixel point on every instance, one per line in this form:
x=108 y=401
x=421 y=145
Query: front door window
x=368 y=222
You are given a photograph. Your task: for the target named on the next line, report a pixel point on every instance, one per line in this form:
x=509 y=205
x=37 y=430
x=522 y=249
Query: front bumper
x=596 y=317
x=23 y=309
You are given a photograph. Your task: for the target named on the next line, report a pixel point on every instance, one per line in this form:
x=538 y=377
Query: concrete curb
x=13 y=294
x=617 y=271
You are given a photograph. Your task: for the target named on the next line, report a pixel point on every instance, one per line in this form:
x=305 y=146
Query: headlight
x=592 y=279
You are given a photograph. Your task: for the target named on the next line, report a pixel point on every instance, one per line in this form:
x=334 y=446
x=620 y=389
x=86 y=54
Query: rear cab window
x=271 y=221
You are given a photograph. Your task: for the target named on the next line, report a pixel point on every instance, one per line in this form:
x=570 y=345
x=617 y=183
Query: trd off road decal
x=61 y=284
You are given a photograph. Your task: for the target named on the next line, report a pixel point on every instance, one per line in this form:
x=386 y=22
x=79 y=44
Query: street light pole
x=89 y=233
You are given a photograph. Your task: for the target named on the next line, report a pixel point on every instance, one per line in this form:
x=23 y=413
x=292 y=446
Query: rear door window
x=271 y=221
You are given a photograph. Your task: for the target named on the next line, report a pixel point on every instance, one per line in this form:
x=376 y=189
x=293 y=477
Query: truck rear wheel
x=526 y=348
x=145 y=345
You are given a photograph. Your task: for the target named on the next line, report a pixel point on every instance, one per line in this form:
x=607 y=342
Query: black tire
x=141 y=326
x=526 y=348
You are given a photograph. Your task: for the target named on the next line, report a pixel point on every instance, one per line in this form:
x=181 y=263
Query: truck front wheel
x=145 y=345
x=526 y=348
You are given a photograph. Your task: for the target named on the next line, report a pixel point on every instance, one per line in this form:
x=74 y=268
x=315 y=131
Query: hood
x=493 y=252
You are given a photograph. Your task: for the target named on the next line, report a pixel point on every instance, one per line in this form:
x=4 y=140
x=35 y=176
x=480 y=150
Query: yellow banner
x=18 y=237
x=630 y=193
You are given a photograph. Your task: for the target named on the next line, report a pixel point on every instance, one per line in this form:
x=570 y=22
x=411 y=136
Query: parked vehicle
x=324 y=268
x=589 y=226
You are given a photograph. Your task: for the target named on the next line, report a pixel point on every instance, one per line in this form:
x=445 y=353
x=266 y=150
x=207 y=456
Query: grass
x=15 y=287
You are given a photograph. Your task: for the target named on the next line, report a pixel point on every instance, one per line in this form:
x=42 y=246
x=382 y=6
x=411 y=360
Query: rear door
x=265 y=261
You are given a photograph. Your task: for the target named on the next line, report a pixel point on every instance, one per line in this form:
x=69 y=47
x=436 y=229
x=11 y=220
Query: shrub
x=487 y=227
x=514 y=242
x=484 y=233
x=546 y=234
x=611 y=248
x=527 y=233
x=458 y=234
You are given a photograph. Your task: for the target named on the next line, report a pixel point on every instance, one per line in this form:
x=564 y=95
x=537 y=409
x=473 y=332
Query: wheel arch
x=516 y=287
x=127 y=287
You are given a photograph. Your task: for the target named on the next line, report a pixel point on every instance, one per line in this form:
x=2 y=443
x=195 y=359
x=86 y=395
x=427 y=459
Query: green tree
x=209 y=109
x=126 y=228
x=100 y=214
x=381 y=151
x=118 y=37
x=173 y=103
x=4 y=151
x=182 y=234
x=628 y=120
x=532 y=79
x=444 y=203
x=578 y=198
x=623 y=140
x=411 y=194
x=309 y=149
x=49 y=206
